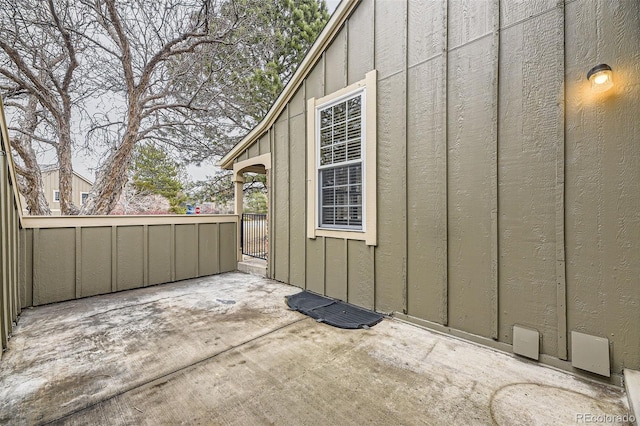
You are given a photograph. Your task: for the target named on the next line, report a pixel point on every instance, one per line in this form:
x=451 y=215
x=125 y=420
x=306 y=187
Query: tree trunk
x=112 y=176
x=65 y=174
x=31 y=185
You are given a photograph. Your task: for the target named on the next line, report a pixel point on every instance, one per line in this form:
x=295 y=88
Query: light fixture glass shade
x=601 y=78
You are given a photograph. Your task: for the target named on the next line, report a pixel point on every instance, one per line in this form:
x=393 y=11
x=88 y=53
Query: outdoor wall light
x=601 y=78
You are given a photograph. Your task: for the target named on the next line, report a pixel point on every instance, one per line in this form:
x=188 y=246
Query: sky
x=86 y=165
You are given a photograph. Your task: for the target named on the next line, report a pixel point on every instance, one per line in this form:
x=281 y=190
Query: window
x=56 y=196
x=341 y=163
x=83 y=197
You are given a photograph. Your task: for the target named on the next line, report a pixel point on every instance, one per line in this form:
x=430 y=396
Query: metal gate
x=254 y=235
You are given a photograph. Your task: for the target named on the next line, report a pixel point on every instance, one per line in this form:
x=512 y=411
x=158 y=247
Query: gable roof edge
x=327 y=35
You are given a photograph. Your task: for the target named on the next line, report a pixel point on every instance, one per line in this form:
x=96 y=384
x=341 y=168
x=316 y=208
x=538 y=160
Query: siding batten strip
x=405 y=265
x=561 y=282
x=172 y=250
x=114 y=258
x=35 y=262
x=196 y=244
x=494 y=176
x=78 y=262
x=289 y=233
x=145 y=255
x=444 y=308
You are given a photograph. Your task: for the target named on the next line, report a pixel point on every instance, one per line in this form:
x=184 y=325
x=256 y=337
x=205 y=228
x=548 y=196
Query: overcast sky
x=85 y=165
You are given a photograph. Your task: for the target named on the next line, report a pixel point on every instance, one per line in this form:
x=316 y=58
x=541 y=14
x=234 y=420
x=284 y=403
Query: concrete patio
x=226 y=350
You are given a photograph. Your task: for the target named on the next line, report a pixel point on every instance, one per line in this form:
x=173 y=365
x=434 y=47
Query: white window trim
x=54 y=196
x=369 y=205
x=81 y=194
x=362 y=160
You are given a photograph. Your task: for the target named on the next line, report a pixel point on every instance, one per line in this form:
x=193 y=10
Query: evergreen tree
x=154 y=172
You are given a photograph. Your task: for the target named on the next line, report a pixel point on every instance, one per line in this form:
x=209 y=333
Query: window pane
x=340 y=132
x=328 y=217
x=353 y=129
x=353 y=150
x=342 y=198
x=355 y=174
x=342 y=216
x=328 y=197
x=326 y=117
x=339 y=113
x=325 y=137
x=327 y=177
x=355 y=215
x=354 y=107
x=339 y=153
x=325 y=156
x=342 y=175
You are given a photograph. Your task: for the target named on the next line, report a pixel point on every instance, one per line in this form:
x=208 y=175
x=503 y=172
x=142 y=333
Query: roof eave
x=336 y=21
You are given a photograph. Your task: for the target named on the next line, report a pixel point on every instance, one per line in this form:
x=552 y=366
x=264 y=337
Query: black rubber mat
x=333 y=312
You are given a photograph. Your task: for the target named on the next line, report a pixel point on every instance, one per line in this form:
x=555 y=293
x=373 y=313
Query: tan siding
x=254 y=149
x=390 y=60
x=471 y=170
x=298 y=103
x=186 y=255
x=95 y=253
x=314 y=84
x=297 y=191
x=159 y=254
x=468 y=20
x=26 y=290
x=602 y=175
x=12 y=248
x=336 y=71
x=528 y=138
x=361 y=274
x=336 y=268
x=280 y=248
x=469 y=188
x=130 y=259
x=227 y=257
x=360 y=42
x=427 y=192
x=79 y=261
x=315 y=265
x=54 y=261
x=50 y=180
x=208 y=240
x=265 y=146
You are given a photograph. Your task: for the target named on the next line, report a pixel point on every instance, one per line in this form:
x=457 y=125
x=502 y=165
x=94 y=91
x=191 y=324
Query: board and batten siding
x=508 y=193
x=71 y=257
x=11 y=250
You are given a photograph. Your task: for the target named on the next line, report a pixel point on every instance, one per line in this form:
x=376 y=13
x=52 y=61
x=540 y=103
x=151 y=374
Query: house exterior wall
x=507 y=190
x=11 y=250
x=51 y=183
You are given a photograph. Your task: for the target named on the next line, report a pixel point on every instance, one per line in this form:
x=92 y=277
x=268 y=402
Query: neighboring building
x=81 y=187
x=449 y=163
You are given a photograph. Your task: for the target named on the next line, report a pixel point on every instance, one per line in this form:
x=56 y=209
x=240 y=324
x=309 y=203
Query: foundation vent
x=590 y=353
x=526 y=342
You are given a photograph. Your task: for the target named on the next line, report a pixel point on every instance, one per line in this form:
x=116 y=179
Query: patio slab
x=226 y=350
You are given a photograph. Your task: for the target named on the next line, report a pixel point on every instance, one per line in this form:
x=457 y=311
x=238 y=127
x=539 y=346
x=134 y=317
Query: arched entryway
x=253 y=229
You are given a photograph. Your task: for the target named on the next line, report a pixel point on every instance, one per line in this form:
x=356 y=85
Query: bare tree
x=41 y=58
x=29 y=173
x=145 y=46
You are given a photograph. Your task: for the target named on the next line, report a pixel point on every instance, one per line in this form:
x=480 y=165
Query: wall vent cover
x=590 y=353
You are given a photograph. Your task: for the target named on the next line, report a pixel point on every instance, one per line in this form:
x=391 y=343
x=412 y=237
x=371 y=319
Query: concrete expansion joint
x=169 y=375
